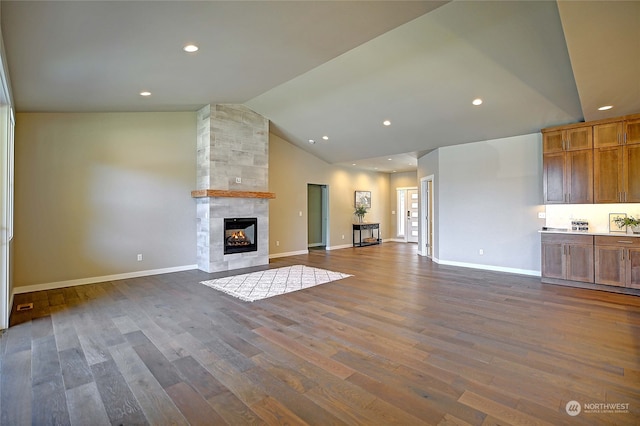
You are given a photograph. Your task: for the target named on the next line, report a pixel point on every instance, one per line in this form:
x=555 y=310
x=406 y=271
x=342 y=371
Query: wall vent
x=24 y=307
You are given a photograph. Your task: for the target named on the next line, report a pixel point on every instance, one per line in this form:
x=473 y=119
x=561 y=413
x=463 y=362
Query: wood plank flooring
x=402 y=342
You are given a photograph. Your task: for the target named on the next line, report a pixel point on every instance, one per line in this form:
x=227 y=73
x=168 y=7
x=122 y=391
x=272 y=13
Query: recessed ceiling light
x=326 y=138
x=190 y=48
x=605 y=107
x=389 y=159
x=393 y=171
x=145 y=93
x=353 y=164
x=477 y=101
x=311 y=141
x=386 y=123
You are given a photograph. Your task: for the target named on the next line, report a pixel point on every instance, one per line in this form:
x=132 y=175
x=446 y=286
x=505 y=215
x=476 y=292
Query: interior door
x=413 y=211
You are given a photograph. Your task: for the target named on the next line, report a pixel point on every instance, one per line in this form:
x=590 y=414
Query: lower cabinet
x=617 y=261
x=568 y=257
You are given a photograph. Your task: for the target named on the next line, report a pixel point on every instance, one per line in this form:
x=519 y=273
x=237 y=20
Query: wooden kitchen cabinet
x=632 y=131
x=571 y=139
x=608 y=134
x=617 y=261
x=616 y=169
x=568 y=257
x=568 y=177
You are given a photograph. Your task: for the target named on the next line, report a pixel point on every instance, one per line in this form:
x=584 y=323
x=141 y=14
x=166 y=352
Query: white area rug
x=273 y=282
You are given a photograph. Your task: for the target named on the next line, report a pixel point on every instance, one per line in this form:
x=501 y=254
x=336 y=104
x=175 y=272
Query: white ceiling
x=335 y=68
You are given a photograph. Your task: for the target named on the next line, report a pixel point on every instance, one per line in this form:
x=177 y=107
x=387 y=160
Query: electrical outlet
x=300 y=213
x=542 y=215
x=139 y=257
x=277 y=243
x=343 y=236
x=481 y=252
x=238 y=180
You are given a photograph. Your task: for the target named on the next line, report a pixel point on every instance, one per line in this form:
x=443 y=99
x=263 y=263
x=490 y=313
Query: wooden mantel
x=203 y=193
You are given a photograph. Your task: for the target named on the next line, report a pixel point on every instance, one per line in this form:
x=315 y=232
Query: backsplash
x=560 y=215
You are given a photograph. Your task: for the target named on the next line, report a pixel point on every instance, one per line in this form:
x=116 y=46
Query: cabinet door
x=633 y=268
x=609 y=134
x=631 y=173
x=610 y=265
x=632 y=131
x=607 y=175
x=554 y=178
x=580 y=263
x=553 y=260
x=553 y=142
x=579 y=177
x=579 y=138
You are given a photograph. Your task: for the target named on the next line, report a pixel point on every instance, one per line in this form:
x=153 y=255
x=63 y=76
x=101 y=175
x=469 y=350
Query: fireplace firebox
x=240 y=235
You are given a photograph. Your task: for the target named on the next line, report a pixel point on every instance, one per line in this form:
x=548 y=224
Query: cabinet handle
x=625 y=242
x=624 y=142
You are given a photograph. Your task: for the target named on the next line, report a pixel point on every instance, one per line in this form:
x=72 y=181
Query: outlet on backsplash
x=561 y=215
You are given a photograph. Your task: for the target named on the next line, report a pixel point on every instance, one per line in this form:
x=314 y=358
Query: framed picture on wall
x=613 y=226
x=363 y=198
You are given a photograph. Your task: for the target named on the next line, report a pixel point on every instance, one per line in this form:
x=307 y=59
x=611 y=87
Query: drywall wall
x=488 y=197
x=290 y=170
x=94 y=190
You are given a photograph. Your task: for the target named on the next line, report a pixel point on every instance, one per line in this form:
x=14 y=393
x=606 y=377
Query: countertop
x=568 y=232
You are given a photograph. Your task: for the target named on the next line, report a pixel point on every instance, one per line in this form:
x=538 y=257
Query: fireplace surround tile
x=233 y=142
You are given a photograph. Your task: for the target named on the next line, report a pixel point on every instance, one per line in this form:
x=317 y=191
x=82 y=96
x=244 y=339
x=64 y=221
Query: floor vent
x=24 y=307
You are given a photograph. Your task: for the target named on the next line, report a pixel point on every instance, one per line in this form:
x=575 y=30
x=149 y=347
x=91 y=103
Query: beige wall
x=95 y=189
x=290 y=170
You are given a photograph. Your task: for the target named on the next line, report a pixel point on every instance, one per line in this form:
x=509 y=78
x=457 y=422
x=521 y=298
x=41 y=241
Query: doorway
x=427 y=218
x=407 y=226
x=317 y=216
x=413 y=212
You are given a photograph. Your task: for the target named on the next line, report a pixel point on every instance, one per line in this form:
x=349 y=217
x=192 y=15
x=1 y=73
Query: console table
x=368 y=240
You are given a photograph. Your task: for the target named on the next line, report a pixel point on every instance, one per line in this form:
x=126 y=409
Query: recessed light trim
x=191 y=48
x=326 y=138
x=145 y=93
x=311 y=141
x=386 y=123
x=605 y=107
x=477 y=102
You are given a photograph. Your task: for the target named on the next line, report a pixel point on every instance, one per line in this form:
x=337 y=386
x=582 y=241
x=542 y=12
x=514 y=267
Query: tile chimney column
x=232 y=181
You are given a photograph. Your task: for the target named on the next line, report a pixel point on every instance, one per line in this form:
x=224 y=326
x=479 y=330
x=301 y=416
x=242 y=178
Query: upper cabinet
x=632 y=131
x=617 y=161
x=568 y=166
x=573 y=139
x=596 y=162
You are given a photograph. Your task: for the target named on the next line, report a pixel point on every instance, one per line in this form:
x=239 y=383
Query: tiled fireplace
x=233 y=161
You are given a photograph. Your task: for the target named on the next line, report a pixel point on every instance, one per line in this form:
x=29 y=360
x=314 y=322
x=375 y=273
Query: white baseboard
x=290 y=253
x=488 y=267
x=341 y=246
x=93 y=280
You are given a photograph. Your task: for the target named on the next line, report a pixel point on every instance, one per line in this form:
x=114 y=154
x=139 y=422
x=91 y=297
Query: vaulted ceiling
x=335 y=68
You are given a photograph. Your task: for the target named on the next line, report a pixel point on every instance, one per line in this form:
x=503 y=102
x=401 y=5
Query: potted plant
x=631 y=222
x=360 y=212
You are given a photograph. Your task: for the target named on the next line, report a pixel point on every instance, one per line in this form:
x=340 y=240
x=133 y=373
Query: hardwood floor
x=404 y=341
